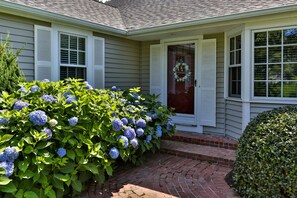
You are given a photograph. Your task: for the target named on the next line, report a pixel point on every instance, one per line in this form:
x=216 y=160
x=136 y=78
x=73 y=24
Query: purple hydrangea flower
x=23 y=89
x=48 y=98
x=61 y=152
x=136 y=103
x=117 y=124
x=123 y=100
x=67 y=94
x=159 y=131
x=38 y=117
x=73 y=121
x=9 y=154
x=124 y=139
x=125 y=121
x=114 y=114
x=134 y=142
x=3 y=121
x=45 y=80
x=34 y=88
x=141 y=123
x=169 y=126
x=19 y=105
x=114 y=153
x=71 y=99
x=88 y=86
x=148 y=138
x=48 y=132
x=131 y=120
x=112 y=95
x=140 y=131
x=130 y=133
x=8 y=167
x=113 y=88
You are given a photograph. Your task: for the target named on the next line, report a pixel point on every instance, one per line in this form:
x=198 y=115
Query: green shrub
x=10 y=72
x=266 y=159
x=67 y=133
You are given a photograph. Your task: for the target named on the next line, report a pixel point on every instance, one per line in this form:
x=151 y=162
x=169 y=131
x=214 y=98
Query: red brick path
x=164 y=175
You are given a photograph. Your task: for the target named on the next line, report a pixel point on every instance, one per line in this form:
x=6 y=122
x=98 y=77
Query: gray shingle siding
x=233 y=118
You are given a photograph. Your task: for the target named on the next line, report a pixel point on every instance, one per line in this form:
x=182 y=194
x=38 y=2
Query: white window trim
x=276 y=100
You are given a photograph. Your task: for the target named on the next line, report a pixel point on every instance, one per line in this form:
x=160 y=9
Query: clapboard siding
x=21 y=36
x=233 y=118
x=145 y=65
x=220 y=110
x=257 y=108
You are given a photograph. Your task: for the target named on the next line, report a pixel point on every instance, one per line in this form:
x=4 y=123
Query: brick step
x=212 y=154
x=202 y=139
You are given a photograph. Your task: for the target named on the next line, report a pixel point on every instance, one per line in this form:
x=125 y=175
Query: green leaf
x=71 y=154
x=5 y=138
x=68 y=168
x=23 y=165
x=62 y=177
x=20 y=194
x=2 y=171
x=30 y=194
x=4 y=180
x=43 y=145
x=109 y=170
x=76 y=185
x=91 y=167
x=9 y=188
x=51 y=194
x=28 y=149
x=58 y=184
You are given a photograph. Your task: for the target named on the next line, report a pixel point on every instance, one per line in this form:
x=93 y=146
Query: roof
x=141 y=14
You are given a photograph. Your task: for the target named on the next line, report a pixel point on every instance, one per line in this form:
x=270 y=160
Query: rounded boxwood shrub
x=56 y=136
x=266 y=159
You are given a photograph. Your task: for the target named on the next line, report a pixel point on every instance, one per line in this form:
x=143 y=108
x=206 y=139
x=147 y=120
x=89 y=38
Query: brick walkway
x=164 y=175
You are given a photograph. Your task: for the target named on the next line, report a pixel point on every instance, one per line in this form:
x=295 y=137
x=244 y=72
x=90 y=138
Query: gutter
x=212 y=20
x=62 y=18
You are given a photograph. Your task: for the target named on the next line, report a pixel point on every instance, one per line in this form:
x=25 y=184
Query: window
x=72 y=56
x=235 y=66
x=275 y=63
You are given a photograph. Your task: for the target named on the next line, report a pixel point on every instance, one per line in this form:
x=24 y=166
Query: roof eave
x=54 y=16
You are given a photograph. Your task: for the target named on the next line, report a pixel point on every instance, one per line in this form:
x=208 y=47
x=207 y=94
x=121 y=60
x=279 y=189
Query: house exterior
x=218 y=63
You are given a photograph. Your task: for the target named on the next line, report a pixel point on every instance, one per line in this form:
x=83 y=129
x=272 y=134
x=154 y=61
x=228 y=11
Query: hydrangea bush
x=56 y=136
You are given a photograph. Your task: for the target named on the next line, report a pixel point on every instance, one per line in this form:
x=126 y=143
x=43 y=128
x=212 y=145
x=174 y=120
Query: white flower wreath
x=181 y=68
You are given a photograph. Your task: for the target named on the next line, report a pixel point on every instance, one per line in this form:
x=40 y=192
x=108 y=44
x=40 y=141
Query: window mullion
x=267 y=63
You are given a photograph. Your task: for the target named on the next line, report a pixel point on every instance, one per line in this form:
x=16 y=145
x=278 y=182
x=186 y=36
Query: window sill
x=274 y=100
x=233 y=99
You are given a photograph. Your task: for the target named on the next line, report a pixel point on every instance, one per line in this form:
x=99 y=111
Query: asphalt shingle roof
x=140 y=14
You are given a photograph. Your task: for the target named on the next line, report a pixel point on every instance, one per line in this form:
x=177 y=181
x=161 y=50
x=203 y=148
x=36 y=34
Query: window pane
x=71 y=72
x=290 y=89
x=260 y=72
x=82 y=58
x=235 y=81
x=275 y=37
x=82 y=44
x=232 y=58
x=260 y=55
x=238 y=57
x=64 y=56
x=260 y=39
x=274 y=89
x=73 y=42
x=275 y=54
x=231 y=44
x=81 y=73
x=290 y=36
x=73 y=57
x=63 y=73
x=238 y=42
x=274 y=72
x=290 y=53
x=64 y=41
x=290 y=71
x=260 y=89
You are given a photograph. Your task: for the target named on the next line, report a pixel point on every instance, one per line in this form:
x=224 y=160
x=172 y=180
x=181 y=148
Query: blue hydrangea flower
x=34 y=88
x=113 y=88
x=159 y=131
x=19 y=105
x=124 y=140
x=141 y=123
x=9 y=154
x=148 y=138
x=88 y=86
x=3 y=121
x=38 y=117
x=136 y=96
x=112 y=95
x=123 y=101
x=136 y=103
x=155 y=115
x=8 y=167
x=131 y=120
x=67 y=94
x=23 y=89
x=125 y=121
x=73 y=121
x=140 y=131
x=114 y=153
x=70 y=99
x=117 y=124
x=169 y=126
x=48 y=98
x=114 y=114
x=130 y=133
x=45 y=80
x=61 y=152
x=134 y=142
x=48 y=132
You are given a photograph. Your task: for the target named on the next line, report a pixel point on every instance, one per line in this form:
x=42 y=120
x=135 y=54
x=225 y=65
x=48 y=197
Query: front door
x=181 y=82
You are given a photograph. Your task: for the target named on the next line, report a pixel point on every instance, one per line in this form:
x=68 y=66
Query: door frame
x=184 y=120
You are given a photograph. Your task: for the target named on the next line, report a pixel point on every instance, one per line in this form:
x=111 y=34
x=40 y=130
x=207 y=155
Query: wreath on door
x=181 y=71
